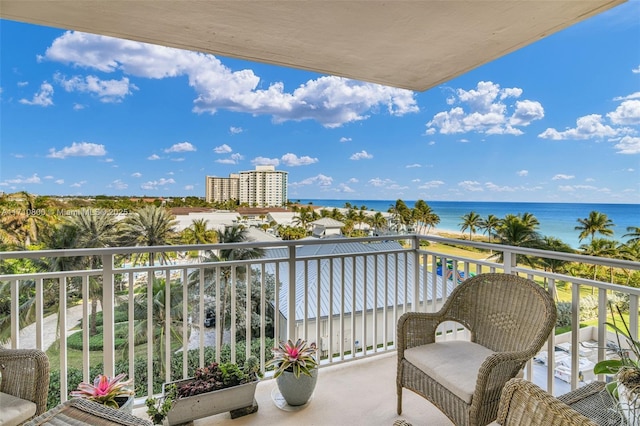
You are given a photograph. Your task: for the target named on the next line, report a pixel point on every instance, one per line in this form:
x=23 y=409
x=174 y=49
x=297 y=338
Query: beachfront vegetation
x=32 y=222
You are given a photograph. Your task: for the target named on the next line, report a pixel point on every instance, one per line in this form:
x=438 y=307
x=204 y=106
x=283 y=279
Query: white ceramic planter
x=125 y=404
x=297 y=390
x=208 y=404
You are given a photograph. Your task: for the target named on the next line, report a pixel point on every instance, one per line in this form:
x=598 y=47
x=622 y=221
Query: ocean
x=556 y=219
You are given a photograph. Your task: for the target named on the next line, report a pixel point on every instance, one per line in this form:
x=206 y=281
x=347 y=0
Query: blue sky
x=556 y=121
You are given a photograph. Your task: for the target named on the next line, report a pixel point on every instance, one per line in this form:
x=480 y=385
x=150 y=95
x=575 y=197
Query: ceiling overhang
x=410 y=44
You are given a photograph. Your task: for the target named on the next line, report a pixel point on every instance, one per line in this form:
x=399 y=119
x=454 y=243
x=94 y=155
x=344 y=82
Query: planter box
x=208 y=404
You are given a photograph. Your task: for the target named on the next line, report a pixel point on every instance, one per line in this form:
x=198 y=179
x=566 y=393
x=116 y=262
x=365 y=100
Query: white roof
x=394 y=297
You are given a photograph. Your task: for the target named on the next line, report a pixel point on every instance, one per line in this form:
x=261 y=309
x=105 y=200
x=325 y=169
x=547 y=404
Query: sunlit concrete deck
x=351 y=393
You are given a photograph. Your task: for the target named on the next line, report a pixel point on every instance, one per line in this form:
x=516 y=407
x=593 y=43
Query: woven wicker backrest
x=504 y=312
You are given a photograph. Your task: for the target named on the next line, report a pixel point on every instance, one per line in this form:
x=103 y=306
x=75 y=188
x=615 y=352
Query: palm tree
x=400 y=214
x=149 y=226
x=489 y=224
x=513 y=231
x=233 y=234
x=160 y=327
x=94 y=231
x=553 y=265
x=378 y=221
x=634 y=233
x=600 y=247
x=199 y=233
x=596 y=223
x=304 y=217
x=471 y=221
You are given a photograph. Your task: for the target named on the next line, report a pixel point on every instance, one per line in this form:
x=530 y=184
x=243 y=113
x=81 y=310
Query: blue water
x=556 y=219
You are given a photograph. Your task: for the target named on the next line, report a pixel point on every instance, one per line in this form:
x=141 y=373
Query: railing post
x=15 y=314
x=108 y=306
x=509 y=261
x=291 y=308
x=416 y=275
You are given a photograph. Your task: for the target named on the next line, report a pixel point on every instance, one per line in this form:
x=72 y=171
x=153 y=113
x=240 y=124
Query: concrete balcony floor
x=352 y=393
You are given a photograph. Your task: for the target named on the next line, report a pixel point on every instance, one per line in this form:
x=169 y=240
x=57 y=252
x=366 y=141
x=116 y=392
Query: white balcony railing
x=344 y=294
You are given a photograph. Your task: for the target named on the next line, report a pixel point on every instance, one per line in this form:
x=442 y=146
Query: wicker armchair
x=509 y=319
x=25 y=374
x=525 y=404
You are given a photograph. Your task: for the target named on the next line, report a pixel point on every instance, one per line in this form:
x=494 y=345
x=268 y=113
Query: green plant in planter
x=206 y=379
x=298 y=358
x=105 y=390
x=625 y=370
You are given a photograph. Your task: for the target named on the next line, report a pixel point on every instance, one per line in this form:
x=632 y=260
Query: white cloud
x=153 y=157
x=136 y=174
x=319 y=180
x=59 y=181
x=23 y=83
x=233 y=159
x=344 y=139
x=431 y=184
x=189 y=187
x=636 y=70
x=178 y=159
x=344 y=188
x=78 y=149
x=628 y=145
x=635 y=95
x=222 y=149
x=471 y=185
x=18 y=155
x=293 y=160
x=413 y=166
x=155 y=184
x=108 y=91
x=181 y=147
x=362 y=155
x=353 y=180
x=589 y=126
x=22 y=180
x=496 y=188
x=526 y=112
x=264 y=161
x=572 y=188
x=78 y=184
x=627 y=113
x=332 y=101
x=486 y=112
x=235 y=130
x=523 y=173
x=118 y=184
x=379 y=183
x=42 y=98
x=78 y=107
x=561 y=176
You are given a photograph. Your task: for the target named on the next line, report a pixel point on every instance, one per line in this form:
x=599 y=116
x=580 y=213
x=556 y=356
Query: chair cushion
x=15 y=410
x=454 y=365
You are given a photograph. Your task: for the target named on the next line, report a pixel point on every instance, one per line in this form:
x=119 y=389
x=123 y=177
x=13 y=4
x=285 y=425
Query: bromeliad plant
x=298 y=358
x=105 y=390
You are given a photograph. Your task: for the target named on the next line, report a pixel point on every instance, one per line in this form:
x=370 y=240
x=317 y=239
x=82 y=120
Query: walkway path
x=27 y=337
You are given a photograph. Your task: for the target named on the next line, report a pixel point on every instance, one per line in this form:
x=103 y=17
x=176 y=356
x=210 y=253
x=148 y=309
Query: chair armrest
x=525 y=404
x=25 y=374
x=415 y=329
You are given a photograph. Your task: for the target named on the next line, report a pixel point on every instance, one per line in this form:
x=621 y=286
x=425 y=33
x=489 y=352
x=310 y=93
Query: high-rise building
x=219 y=190
x=263 y=187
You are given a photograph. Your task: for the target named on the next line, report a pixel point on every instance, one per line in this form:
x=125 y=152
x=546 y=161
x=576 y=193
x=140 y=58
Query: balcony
x=345 y=294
